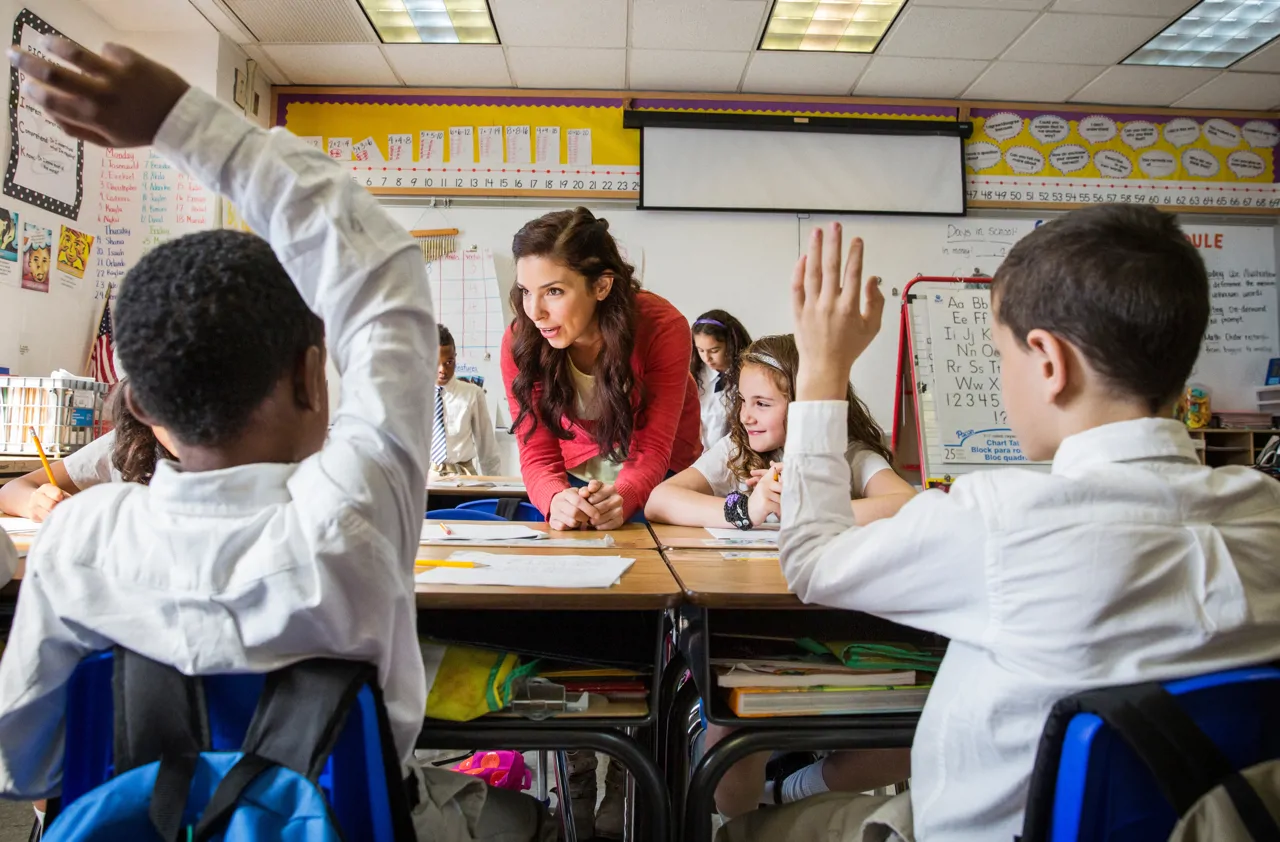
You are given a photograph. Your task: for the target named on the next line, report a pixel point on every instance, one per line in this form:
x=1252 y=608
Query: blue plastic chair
x=355 y=780
x=525 y=512
x=1105 y=793
x=463 y=514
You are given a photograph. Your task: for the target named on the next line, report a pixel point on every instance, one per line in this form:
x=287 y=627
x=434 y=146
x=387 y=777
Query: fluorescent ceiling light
x=841 y=26
x=431 y=21
x=1215 y=33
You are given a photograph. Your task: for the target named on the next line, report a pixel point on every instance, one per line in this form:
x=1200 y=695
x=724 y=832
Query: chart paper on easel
x=464 y=288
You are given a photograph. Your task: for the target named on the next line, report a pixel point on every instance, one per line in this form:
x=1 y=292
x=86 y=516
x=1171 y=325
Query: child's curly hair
x=136 y=449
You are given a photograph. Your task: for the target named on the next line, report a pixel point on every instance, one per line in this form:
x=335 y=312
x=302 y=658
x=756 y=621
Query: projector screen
x=803 y=171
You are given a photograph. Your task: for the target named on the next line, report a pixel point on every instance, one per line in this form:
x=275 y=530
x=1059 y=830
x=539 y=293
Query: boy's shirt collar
x=242 y=488
x=1124 y=441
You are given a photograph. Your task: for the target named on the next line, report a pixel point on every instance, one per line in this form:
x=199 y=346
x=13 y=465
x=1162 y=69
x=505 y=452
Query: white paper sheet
x=461 y=148
x=518 y=145
x=579 y=143
x=432 y=531
x=491 y=144
x=19 y=525
x=431 y=147
x=548 y=145
x=400 y=147
x=529 y=571
x=762 y=535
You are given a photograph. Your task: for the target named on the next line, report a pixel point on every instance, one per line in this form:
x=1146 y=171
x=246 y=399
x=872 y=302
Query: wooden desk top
x=505 y=487
x=697 y=538
x=647 y=585
x=710 y=580
x=632 y=536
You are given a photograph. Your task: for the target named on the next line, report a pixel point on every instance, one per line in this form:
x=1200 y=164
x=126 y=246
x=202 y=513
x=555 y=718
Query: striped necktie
x=439 y=442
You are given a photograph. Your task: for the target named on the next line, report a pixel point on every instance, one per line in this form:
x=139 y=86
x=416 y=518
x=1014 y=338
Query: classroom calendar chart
x=1067 y=157
x=46 y=165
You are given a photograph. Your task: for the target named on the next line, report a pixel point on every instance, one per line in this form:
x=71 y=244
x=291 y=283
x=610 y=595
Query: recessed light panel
x=1215 y=33
x=431 y=21
x=840 y=26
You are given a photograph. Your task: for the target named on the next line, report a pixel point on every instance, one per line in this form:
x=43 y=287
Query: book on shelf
x=732 y=673
x=826 y=701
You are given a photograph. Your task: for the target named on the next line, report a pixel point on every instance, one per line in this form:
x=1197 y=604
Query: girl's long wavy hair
x=778 y=356
x=136 y=449
x=728 y=331
x=543 y=386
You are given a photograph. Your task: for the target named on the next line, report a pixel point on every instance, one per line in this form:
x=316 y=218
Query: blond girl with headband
x=738 y=480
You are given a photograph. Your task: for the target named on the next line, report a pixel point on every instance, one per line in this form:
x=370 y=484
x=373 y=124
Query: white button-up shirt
x=469 y=427
x=255 y=567
x=1129 y=562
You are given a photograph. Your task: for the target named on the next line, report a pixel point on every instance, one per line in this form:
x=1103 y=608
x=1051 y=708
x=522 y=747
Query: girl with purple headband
x=718 y=342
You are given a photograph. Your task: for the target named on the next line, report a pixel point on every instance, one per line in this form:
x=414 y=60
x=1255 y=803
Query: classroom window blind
x=734 y=169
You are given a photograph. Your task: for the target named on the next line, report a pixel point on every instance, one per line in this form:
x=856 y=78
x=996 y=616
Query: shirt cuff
x=199 y=135
x=817 y=427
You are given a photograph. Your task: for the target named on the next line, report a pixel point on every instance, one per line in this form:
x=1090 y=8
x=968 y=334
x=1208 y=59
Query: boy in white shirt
x=266 y=543
x=468 y=445
x=1129 y=561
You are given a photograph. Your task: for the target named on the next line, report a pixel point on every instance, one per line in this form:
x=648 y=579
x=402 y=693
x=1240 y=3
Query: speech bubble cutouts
x=1156 y=163
x=1097 y=128
x=1222 y=134
x=981 y=155
x=1024 y=160
x=1069 y=158
x=1246 y=164
x=1003 y=126
x=1182 y=132
x=1200 y=163
x=1049 y=128
x=1139 y=134
x=1261 y=135
x=1112 y=164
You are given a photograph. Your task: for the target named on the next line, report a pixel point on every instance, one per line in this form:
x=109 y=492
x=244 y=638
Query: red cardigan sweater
x=669 y=439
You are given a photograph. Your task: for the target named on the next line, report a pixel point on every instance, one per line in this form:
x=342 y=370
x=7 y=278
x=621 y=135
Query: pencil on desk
x=44 y=460
x=442 y=563
x=447 y=530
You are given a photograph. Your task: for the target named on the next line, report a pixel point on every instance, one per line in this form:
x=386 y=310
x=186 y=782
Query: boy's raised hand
x=836 y=316
x=119 y=98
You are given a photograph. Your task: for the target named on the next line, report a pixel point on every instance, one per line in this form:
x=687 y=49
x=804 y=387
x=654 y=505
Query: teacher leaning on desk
x=597 y=376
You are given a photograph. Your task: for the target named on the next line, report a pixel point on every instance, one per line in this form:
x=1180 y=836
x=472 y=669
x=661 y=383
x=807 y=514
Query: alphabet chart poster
x=1062 y=158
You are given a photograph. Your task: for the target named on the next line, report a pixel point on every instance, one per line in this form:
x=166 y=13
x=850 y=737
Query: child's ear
x=309 y=387
x=1050 y=355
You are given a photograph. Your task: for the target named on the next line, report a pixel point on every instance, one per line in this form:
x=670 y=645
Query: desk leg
x=700 y=801
x=621 y=748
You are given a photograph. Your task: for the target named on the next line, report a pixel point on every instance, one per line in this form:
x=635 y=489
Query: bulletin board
x=1043 y=157
x=516 y=143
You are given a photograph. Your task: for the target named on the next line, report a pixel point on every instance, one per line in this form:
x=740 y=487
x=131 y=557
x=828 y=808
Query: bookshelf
x=1230 y=446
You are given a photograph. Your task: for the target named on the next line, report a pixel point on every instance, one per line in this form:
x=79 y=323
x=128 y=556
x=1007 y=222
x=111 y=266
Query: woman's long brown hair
x=778 y=356
x=136 y=450
x=543 y=386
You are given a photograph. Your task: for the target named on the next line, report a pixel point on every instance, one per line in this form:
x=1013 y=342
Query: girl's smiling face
x=764 y=408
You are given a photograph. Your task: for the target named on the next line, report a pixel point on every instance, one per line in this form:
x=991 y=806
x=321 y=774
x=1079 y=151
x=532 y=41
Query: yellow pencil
x=44 y=460
x=441 y=563
x=446 y=529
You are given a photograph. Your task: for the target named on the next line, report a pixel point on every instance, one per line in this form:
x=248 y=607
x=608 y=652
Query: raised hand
x=836 y=316
x=119 y=98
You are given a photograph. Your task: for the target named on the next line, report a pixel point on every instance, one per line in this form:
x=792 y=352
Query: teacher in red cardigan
x=597 y=376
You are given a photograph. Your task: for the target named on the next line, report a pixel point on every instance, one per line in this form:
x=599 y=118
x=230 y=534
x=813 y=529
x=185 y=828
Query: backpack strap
x=508 y=508
x=299 y=717
x=1184 y=763
x=160 y=716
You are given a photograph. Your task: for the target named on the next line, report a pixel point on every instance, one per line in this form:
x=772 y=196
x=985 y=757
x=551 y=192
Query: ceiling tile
x=954 y=33
x=1131 y=84
x=817 y=74
x=332 y=64
x=561 y=23
x=450 y=65
x=697 y=24
x=1029 y=82
x=918 y=77
x=563 y=67
x=1266 y=60
x=1082 y=39
x=150 y=15
x=1245 y=91
x=1167 y=9
x=1005 y=5
x=304 y=21
x=259 y=54
x=686 y=70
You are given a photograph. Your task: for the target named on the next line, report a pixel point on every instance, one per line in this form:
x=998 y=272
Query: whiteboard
x=728 y=169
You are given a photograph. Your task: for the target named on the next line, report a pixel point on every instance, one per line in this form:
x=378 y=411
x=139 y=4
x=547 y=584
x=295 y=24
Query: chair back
x=507 y=508
x=463 y=514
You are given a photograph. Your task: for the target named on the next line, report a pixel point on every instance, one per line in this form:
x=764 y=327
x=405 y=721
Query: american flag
x=102 y=357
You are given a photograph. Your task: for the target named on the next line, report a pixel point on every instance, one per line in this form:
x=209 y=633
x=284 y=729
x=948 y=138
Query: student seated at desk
x=264 y=543
x=738 y=482
x=126 y=454
x=462 y=440
x=1128 y=561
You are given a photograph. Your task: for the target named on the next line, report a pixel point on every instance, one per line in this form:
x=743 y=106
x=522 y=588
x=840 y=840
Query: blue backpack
x=169 y=786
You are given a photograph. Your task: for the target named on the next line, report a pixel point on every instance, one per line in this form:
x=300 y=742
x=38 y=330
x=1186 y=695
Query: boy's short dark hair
x=1122 y=284
x=446 y=338
x=206 y=325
